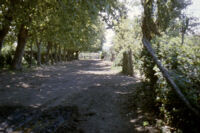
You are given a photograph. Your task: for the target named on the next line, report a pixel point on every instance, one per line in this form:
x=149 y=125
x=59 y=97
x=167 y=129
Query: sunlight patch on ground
x=42 y=75
x=105 y=72
x=36 y=105
x=23 y=85
x=122 y=93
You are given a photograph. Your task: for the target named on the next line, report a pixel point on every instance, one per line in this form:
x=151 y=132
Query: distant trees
x=127 y=37
x=54 y=29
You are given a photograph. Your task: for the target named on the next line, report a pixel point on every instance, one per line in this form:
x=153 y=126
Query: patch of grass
x=118 y=68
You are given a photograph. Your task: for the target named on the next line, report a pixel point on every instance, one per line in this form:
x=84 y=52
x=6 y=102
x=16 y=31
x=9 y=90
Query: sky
x=192 y=10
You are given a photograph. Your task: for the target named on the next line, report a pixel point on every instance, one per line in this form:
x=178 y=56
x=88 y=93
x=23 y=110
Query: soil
x=98 y=92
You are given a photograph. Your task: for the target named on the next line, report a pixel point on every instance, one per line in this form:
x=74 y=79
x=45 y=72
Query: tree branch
x=166 y=75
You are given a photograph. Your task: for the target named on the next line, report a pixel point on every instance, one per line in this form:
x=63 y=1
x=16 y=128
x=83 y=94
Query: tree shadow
x=139 y=107
x=60 y=119
x=40 y=88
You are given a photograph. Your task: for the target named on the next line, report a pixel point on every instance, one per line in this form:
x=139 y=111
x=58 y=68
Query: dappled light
x=87 y=79
x=23 y=85
x=51 y=119
x=42 y=75
x=99 y=66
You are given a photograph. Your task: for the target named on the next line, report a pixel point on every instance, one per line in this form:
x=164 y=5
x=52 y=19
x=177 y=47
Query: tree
x=8 y=9
x=167 y=11
x=59 y=27
x=174 y=10
x=24 y=19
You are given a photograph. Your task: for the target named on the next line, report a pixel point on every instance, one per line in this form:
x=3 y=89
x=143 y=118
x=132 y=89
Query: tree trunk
x=38 y=53
x=48 y=52
x=7 y=21
x=55 y=53
x=51 y=55
x=3 y=33
x=22 y=37
x=184 y=29
x=149 y=29
x=31 y=56
x=182 y=38
x=76 y=55
x=165 y=73
x=4 y=30
x=59 y=53
x=64 y=54
x=127 y=67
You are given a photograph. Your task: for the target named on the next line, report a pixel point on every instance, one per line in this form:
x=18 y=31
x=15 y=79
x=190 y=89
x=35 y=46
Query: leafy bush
x=183 y=63
x=128 y=36
x=181 y=60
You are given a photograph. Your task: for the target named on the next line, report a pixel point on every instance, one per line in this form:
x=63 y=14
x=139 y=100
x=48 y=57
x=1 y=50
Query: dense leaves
x=54 y=28
x=183 y=63
x=128 y=37
x=164 y=25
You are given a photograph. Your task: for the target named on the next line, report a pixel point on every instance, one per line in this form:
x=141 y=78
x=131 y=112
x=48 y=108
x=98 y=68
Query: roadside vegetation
x=161 y=47
x=177 y=46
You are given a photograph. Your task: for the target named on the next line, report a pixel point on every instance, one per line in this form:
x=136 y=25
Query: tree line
x=48 y=31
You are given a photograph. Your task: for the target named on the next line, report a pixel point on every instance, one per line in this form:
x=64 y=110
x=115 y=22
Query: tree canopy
x=74 y=25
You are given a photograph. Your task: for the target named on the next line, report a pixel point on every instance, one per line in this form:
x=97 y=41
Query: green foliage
x=183 y=63
x=145 y=123
x=62 y=25
x=158 y=16
x=128 y=36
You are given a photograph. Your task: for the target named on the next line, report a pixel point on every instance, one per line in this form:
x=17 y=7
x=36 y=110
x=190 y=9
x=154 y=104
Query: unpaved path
x=90 y=85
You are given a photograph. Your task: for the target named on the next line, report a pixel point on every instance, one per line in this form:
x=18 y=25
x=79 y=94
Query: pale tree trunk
x=184 y=29
x=55 y=53
x=48 y=52
x=76 y=55
x=130 y=62
x=182 y=38
x=31 y=56
x=38 y=53
x=60 y=54
x=64 y=54
x=183 y=34
x=22 y=37
x=51 y=56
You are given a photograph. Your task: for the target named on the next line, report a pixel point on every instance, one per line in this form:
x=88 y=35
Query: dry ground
x=91 y=85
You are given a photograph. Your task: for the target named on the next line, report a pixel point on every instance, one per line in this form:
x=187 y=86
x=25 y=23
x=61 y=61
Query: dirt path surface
x=90 y=85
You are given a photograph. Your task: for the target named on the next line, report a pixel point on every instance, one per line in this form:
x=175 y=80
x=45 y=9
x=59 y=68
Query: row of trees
x=56 y=29
x=166 y=27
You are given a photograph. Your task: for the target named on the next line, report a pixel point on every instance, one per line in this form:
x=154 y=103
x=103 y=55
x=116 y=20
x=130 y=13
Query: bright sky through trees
x=135 y=10
x=194 y=9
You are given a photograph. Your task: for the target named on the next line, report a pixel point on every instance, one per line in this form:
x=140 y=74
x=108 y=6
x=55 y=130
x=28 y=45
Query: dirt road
x=90 y=85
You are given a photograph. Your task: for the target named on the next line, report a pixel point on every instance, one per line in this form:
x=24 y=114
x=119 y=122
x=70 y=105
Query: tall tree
x=156 y=18
x=173 y=10
x=27 y=9
x=7 y=8
x=22 y=38
x=65 y=24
